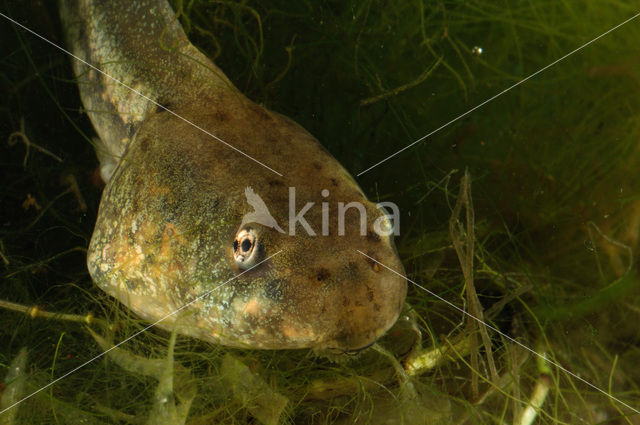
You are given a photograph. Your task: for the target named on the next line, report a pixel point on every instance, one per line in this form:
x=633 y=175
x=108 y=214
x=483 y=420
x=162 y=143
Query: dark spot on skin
x=275 y=183
x=370 y=295
x=138 y=181
x=345 y=301
x=260 y=112
x=273 y=291
x=131 y=130
x=213 y=204
x=373 y=264
x=376 y=307
x=220 y=115
x=373 y=236
x=145 y=144
x=170 y=207
x=334 y=181
x=317 y=166
x=163 y=105
x=322 y=274
x=185 y=293
x=369 y=260
x=132 y=285
x=82 y=32
x=351 y=270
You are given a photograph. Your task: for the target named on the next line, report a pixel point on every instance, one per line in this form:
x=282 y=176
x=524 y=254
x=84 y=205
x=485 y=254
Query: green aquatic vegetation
x=553 y=171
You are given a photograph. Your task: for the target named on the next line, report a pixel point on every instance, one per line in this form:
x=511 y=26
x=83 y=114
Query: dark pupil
x=235 y=246
x=246 y=245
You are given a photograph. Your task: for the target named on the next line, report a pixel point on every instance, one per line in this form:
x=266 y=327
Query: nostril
x=322 y=274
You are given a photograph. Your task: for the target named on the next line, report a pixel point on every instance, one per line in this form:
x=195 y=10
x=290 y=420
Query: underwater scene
x=500 y=140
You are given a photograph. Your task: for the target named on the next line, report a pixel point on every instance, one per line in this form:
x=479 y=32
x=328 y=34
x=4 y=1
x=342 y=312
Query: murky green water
x=553 y=165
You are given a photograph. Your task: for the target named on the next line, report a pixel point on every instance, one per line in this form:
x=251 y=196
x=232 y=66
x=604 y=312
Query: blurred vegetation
x=553 y=172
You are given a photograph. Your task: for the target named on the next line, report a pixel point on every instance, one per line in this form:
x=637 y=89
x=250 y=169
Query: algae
x=553 y=170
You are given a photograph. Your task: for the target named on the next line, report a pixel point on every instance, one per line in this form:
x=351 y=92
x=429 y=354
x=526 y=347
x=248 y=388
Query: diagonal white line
x=499 y=94
x=543 y=357
x=138 y=93
x=135 y=334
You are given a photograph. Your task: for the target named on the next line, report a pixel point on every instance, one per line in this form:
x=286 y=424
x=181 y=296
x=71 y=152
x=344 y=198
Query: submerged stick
x=430 y=359
x=464 y=250
x=37 y=312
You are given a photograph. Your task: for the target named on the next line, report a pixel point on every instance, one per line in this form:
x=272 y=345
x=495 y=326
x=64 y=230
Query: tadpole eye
x=246 y=248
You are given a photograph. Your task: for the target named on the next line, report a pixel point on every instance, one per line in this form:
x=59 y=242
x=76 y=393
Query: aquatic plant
x=540 y=237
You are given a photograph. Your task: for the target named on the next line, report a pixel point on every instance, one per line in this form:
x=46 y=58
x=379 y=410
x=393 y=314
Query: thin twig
x=618 y=244
x=70 y=181
x=22 y=136
x=403 y=87
x=464 y=250
x=36 y=312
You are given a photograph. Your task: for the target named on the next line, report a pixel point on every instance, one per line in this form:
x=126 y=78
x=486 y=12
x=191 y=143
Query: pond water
x=554 y=189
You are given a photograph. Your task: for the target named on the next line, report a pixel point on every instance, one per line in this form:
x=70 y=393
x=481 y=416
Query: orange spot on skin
x=145 y=233
x=296 y=333
x=126 y=256
x=252 y=307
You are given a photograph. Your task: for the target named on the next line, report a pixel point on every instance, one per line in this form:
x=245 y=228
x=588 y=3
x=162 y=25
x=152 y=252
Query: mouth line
x=358 y=350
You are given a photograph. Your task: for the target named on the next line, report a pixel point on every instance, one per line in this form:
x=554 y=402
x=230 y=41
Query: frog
x=176 y=240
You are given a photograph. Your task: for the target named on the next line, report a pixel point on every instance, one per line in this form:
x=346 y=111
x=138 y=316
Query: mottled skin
x=175 y=197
